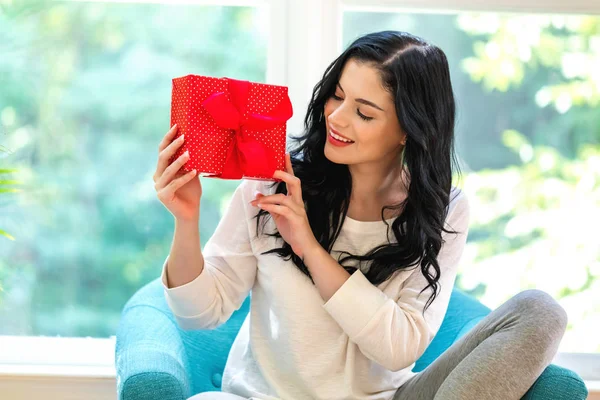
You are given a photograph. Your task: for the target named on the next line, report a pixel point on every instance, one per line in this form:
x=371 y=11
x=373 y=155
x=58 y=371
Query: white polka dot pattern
x=207 y=142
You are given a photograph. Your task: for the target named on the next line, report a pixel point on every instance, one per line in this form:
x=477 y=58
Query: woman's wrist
x=195 y=219
x=312 y=249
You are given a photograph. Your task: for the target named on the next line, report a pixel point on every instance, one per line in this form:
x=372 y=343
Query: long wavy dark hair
x=416 y=73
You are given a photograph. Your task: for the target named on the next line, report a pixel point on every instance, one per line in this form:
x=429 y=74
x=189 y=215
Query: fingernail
x=187 y=153
x=257 y=192
x=181 y=138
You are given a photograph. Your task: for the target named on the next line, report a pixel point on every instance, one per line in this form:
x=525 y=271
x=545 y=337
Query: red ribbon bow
x=245 y=156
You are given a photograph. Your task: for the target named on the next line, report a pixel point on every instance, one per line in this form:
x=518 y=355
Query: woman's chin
x=332 y=155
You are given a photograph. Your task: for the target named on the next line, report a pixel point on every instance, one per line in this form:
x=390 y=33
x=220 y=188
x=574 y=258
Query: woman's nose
x=337 y=119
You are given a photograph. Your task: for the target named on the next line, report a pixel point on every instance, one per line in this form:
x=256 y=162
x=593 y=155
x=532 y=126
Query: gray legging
x=500 y=358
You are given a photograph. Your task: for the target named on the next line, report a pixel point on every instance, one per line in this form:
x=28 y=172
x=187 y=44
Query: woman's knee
x=540 y=309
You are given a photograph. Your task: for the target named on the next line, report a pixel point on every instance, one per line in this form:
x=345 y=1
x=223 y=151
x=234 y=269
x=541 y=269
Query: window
x=85 y=101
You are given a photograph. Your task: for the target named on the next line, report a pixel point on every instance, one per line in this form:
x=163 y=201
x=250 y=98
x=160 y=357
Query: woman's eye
x=361 y=115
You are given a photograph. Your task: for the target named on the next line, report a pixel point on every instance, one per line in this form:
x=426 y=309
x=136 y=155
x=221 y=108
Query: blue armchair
x=155 y=359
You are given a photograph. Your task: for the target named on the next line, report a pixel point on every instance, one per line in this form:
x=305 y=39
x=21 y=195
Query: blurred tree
x=4 y=189
x=533 y=226
x=560 y=57
x=528 y=219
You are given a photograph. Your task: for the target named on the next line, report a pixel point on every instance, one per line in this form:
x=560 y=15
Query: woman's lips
x=337 y=142
x=340 y=135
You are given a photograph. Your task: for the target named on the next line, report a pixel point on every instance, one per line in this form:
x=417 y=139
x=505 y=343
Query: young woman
x=352 y=257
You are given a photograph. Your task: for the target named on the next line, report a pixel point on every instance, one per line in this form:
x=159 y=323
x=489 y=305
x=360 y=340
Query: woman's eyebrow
x=363 y=101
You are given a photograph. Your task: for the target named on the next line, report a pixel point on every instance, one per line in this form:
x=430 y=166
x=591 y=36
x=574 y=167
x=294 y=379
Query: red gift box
x=233 y=129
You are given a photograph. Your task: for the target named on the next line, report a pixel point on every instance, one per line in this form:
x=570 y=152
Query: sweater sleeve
x=229 y=270
x=393 y=332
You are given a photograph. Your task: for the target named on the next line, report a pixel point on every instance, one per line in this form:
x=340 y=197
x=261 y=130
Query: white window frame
x=306 y=35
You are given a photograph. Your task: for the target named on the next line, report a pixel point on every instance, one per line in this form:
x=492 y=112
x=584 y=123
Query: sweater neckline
x=366 y=226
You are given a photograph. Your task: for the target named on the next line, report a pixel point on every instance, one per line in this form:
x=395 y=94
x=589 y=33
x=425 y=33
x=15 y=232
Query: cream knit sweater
x=361 y=344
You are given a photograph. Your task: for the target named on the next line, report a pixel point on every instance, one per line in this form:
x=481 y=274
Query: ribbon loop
x=245 y=156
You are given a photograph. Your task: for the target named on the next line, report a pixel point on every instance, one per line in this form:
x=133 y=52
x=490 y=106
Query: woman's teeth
x=341 y=139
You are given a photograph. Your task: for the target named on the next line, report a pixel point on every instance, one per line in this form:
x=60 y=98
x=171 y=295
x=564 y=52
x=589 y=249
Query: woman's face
x=363 y=112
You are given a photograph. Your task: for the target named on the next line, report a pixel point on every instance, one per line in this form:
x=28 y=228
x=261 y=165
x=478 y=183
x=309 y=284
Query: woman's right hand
x=179 y=192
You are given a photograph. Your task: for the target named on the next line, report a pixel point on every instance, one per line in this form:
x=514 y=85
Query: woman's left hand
x=288 y=211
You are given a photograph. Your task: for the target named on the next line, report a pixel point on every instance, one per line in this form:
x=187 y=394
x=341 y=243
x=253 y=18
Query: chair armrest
x=150 y=359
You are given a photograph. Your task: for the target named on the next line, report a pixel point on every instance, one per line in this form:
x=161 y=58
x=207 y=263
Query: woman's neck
x=371 y=192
